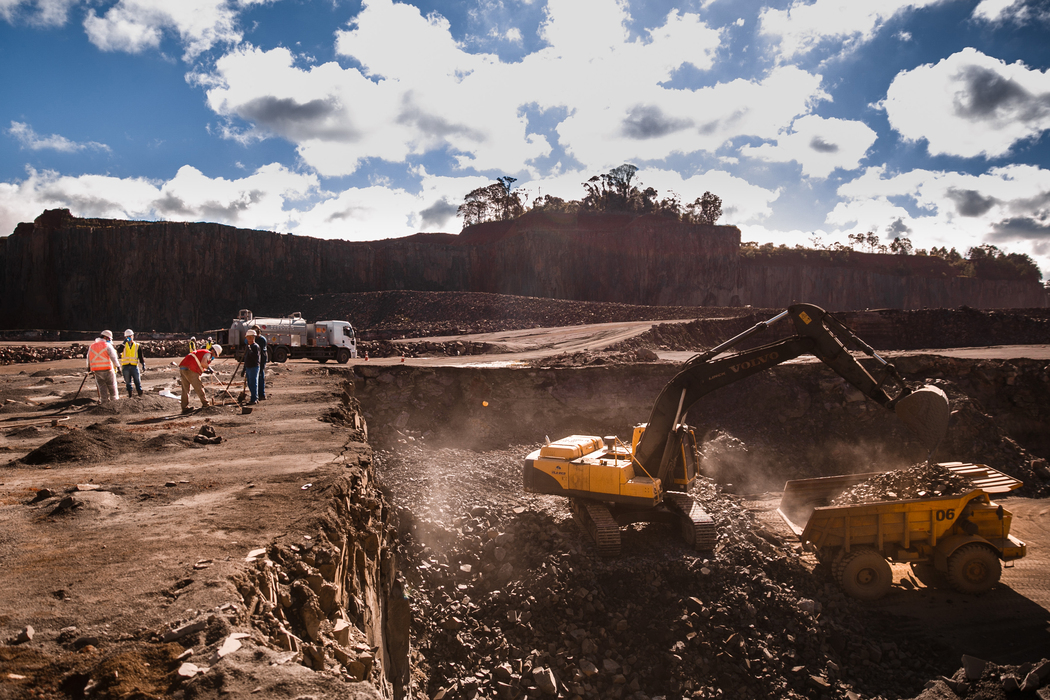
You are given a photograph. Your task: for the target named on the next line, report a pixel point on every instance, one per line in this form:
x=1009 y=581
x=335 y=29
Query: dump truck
x=959 y=538
x=612 y=484
x=293 y=337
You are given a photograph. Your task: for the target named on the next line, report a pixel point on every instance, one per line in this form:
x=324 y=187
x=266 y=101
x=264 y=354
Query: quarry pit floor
x=171 y=520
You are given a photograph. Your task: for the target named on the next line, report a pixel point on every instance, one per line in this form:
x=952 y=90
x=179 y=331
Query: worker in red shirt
x=190 y=370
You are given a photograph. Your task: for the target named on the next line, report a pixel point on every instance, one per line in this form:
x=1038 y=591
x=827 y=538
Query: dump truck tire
x=865 y=574
x=974 y=568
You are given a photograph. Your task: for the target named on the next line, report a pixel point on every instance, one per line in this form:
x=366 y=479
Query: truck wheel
x=974 y=568
x=865 y=574
x=343 y=356
x=280 y=354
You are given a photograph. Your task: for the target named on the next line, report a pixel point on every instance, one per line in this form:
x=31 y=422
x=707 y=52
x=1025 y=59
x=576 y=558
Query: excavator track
x=697 y=526
x=595 y=519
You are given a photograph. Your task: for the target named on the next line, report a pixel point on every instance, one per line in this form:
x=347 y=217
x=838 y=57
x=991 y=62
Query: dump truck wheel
x=865 y=574
x=974 y=568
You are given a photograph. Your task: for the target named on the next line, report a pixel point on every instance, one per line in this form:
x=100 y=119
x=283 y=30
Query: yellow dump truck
x=963 y=537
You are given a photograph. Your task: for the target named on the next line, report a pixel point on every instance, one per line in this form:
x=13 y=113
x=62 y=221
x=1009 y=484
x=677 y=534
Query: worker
x=190 y=370
x=264 y=354
x=130 y=362
x=103 y=362
x=252 y=360
x=208 y=343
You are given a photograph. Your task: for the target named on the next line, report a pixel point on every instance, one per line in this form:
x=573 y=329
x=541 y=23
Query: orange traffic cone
x=402 y=357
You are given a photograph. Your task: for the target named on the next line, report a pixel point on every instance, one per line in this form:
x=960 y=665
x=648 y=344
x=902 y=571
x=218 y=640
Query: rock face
x=65 y=272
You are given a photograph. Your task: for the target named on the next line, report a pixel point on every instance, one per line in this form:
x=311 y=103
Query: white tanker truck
x=292 y=337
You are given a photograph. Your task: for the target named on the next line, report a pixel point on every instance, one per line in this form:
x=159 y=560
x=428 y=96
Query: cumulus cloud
x=45 y=13
x=840 y=24
x=28 y=138
x=1013 y=11
x=970 y=105
x=393 y=105
x=137 y=25
x=819 y=145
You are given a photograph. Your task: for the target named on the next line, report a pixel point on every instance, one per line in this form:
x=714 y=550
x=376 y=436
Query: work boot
x=140 y=392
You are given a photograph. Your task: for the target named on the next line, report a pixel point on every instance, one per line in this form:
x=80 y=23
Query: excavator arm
x=816 y=333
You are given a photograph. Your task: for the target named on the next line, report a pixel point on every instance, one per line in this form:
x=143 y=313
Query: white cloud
x=1013 y=11
x=970 y=104
x=473 y=106
x=46 y=13
x=28 y=138
x=819 y=145
x=842 y=24
x=137 y=25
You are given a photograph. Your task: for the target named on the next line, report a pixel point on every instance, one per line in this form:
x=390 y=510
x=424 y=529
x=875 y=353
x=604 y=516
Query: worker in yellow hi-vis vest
x=131 y=362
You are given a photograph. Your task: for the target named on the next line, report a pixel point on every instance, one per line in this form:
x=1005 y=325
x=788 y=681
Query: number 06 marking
x=948 y=514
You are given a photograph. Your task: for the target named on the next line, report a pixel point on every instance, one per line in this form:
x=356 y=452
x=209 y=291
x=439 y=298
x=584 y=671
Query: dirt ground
x=116 y=527
x=119 y=526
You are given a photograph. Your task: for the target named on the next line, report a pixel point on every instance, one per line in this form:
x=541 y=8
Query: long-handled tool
x=232 y=377
x=81 y=386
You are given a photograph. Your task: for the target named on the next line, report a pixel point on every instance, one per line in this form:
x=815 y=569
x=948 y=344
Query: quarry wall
x=61 y=272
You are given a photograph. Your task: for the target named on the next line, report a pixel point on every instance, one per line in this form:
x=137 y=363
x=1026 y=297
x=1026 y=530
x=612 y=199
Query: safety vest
x=130 y=354
x=193 y=346
x=207 y=345
x=98 y=358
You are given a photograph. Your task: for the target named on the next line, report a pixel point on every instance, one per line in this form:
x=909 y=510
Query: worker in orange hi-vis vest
x=190 y=370
x=103 y=362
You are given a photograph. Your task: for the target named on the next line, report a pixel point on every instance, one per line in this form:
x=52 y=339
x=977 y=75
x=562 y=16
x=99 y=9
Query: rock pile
x=918 y=481
x=510 y=601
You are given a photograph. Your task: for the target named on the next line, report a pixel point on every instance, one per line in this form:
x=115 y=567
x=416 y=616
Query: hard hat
x=249 y=332
x=216 y=350
x=209 y=338
x=129 y=332
x=107 y=334
x=193 y=337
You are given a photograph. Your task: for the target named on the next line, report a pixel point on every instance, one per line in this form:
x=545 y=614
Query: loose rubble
x=510 y=601
x=918 y=481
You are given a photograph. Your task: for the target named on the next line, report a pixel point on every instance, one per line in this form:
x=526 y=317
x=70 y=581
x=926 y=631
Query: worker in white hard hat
x=131 y=361
x=103 y=362
x=208 y=343
x=193 y=343
x=190 y=370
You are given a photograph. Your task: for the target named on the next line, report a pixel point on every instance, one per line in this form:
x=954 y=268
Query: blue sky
x=364 y=120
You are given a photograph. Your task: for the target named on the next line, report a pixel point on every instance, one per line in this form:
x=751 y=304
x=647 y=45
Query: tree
x=495 y=202
x=704 y=210
x=901 y=246
x=869 y=239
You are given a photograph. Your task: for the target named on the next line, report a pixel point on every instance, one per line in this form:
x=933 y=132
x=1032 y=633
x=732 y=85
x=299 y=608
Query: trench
x=508 y=599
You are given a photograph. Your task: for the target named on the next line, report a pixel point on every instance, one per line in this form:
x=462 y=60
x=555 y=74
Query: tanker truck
x=293 y=337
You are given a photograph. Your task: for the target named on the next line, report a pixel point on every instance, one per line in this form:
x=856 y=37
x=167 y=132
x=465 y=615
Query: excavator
x=612 y=484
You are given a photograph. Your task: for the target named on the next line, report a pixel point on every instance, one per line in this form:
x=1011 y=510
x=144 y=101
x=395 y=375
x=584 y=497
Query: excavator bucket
x=925 y=411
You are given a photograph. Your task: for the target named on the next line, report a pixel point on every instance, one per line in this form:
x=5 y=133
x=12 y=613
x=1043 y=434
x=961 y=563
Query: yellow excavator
x=612 y=484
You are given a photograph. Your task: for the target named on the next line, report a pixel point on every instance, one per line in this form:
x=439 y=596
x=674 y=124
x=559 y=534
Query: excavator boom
x=818 y=334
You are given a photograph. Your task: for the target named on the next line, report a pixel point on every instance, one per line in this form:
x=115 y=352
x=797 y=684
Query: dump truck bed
x=902 y=523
